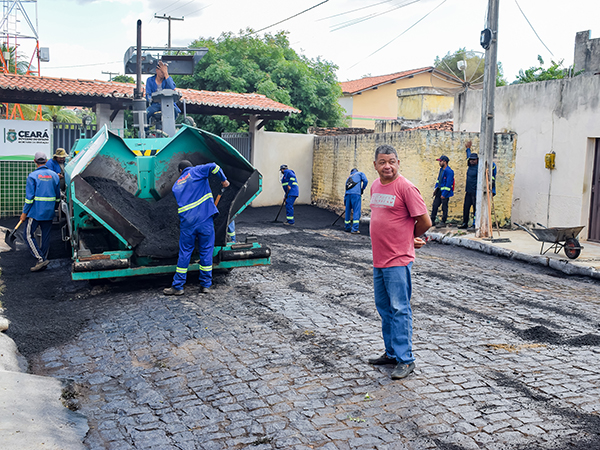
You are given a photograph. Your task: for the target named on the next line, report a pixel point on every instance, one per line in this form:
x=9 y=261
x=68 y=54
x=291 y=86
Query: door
x=594 y=228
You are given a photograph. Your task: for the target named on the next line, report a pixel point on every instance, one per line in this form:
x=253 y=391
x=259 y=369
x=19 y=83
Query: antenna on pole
x=489 y=41
x=110 y=74
x=169 y=18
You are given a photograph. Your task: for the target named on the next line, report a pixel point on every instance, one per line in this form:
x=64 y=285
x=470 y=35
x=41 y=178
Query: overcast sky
x=88 y=37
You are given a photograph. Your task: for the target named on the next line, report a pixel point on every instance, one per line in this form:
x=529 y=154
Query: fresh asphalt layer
x=275 y=356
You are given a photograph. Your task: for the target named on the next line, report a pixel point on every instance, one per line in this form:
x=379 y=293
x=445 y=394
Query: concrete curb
x=567 y=267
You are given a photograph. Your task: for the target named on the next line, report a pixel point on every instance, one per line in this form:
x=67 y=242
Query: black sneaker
x=382 y=360
x=440 y=224
x=172 y=291
x=402 y=370
x=41 y=265
x=463 y=226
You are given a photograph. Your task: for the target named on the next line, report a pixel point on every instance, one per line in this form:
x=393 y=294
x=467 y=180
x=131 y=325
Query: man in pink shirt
x=398 y=217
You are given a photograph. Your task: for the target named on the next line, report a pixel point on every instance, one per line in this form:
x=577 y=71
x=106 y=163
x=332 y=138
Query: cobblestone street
x=508 y=355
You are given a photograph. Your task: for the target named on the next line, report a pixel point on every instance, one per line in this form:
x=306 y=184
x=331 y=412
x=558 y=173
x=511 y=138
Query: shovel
x=279 y=212
x=10 y=237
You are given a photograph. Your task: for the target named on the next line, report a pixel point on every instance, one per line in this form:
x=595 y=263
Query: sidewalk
x=524 y=247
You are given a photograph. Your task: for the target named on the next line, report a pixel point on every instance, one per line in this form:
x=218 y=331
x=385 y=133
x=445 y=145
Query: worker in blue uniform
x=290 y=187
x=161 y=80
x=42 y=197
x=355 y=186
x=471 y=185
x=196 y=211
x=444 y=189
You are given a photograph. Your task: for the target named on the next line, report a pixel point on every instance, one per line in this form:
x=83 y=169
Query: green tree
x=124 y=79
x=554 y=72
x=55 y=113
x=267 y=65
x=473 y=70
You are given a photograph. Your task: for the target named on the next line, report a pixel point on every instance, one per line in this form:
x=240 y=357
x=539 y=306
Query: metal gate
x=594 y=229
x=241 y=142
x=65 y=134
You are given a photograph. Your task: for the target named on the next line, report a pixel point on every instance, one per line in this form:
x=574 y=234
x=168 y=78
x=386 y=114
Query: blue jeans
x=352 y=202
x=393 y=289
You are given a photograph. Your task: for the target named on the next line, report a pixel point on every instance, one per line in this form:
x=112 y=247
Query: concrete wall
x=561 y=116
x=424 y=104
x=273 y=149
x=587 y=54
x=418 y=150
x=103 y=113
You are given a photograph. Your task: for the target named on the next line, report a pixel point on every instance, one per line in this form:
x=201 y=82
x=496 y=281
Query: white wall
x=270 y=150
x=558 y=115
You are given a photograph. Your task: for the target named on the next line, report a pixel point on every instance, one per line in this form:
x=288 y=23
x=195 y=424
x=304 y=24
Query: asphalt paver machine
x=122 y=217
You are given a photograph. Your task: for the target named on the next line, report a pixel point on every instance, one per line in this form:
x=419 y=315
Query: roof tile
x=354 y=86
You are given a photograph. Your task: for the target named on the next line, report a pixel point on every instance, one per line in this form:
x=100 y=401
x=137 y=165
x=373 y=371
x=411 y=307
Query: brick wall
x=335 y=156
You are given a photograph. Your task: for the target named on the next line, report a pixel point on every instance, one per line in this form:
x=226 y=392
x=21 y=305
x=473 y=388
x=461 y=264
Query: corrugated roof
x=82 y=92
x=355 y=86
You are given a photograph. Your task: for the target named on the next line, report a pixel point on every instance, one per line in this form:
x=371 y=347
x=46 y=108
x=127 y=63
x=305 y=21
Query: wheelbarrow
x=559 y=238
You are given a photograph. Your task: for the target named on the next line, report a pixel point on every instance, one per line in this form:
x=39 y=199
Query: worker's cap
x=353 y=170
x=40 y=157
x=60 y=152
x=443 y=158
x=283 y=166
x=474 y=156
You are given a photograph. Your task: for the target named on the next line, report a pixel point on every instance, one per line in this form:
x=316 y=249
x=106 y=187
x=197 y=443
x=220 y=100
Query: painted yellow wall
x=382 y=103
x=335 y=156
x=411 y=107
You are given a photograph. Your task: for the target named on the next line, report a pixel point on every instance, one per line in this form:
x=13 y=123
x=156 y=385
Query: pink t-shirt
x=394 y=207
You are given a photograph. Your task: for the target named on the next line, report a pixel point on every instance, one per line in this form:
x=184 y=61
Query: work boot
x=440 y=224
x=355 y=232
x=172 y=291
x=41 y=265
x=463 y=226
x=287 y=223
x=204 y=289
x=402 y=370
x=382 y=360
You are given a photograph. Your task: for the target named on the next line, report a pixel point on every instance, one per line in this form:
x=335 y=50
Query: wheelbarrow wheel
x=572 y=248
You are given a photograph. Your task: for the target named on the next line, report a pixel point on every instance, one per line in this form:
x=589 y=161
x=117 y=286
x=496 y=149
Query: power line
x=533 y=28
x=370 y=16
x=83 y=65
x=291 y=17
x=354 y=10
x=414 y=24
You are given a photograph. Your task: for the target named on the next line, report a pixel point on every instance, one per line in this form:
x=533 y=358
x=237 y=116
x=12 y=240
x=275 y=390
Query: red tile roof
x=355 y=86
x=440 y=126
x=84 y=92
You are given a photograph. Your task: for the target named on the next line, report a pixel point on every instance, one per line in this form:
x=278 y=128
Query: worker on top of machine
x=290 y=187
x=42 y=196
x=157 y=83
x=196 y=211
x=57 y=164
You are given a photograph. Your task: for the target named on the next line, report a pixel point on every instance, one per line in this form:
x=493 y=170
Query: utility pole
x=169 y=18
x=110 y=74
x=489 y=41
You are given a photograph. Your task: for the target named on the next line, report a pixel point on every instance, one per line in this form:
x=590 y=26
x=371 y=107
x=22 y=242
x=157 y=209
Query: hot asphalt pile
x=275 y=356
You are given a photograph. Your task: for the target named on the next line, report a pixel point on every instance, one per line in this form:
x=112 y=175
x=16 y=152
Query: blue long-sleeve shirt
x=193 y=194
x=445 y=182
x=152 y=87
x=471 y=186
x=290 y=183
x=53 y=165
x=361 y=183
x=42 y=193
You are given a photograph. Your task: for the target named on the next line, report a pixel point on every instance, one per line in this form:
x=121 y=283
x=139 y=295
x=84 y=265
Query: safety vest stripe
x=295 y=184
x=181 y=269
x=216 y=169
x=206 y=268
x=445 y=189
x=284 y=184
x=195 y=204
x=230 y=234
x=289 y=217
x=28 y=201
x=356 y=221
x=346 y=221
x=45 y=199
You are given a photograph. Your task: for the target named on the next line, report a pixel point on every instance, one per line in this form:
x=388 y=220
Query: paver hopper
x=122 y=215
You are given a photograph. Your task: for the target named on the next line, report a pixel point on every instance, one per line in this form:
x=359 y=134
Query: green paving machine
x=122 y=216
